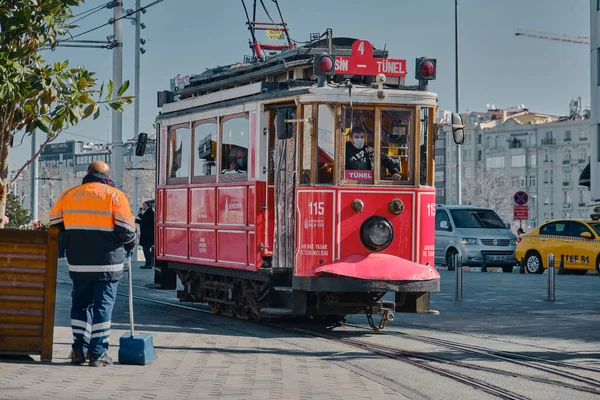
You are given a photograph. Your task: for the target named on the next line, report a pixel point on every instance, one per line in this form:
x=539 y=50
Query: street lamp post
x=458 y=150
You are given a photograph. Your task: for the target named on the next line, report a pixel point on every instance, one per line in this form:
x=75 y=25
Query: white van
x=477 y=234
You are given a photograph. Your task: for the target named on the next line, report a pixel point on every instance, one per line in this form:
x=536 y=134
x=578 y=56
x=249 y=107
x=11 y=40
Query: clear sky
x=496 y=67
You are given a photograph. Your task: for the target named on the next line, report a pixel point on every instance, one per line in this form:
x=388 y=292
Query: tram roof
x=241 y=73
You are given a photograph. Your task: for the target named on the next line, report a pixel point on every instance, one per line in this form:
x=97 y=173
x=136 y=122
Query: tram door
x=282 y=153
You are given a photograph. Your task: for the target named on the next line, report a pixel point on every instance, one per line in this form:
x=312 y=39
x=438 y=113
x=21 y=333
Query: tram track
x=425 y=361
x=506 y=356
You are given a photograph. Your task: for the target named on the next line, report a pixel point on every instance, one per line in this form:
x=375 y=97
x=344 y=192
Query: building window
x=533 y=160
x=495 y=162
x=488 y=142
x=567 y=157
x=546 y=176
x=582 y=135
x=479 y=138
x=439 y=176
x=532 y=181
x=567 y=136
x=598 y=66
x=522 y=181
x=598 y=141
x=479 y=155
x=468 y=172
x=518 y=161
x=440 y=159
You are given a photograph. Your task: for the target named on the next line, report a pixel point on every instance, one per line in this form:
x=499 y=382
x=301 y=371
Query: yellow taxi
x=577 y=240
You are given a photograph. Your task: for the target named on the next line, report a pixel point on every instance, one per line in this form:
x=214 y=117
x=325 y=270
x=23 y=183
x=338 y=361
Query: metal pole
x=34 y=177
x=136 y=108
x=458 y=276
x=550 y=277
x=60 y=173
x=117 y=117
x=458 y=150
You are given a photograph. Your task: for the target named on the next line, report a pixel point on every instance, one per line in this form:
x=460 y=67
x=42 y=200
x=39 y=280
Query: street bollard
x=458 y=275
x=484 y=264
x=550 y=277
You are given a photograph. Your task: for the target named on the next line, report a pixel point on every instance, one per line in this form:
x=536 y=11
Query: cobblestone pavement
x=203 y=356
x=194 y=361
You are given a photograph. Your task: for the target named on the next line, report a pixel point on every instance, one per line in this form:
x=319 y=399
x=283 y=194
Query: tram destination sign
x=362 y=62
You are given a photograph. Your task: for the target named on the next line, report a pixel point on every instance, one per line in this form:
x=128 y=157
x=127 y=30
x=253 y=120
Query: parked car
x=477 y=234
x=578 y=241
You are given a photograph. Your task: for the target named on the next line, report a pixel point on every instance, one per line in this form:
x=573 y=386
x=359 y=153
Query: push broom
x=135 y=349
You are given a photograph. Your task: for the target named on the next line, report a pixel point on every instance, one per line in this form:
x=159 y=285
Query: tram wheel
x=533 y=263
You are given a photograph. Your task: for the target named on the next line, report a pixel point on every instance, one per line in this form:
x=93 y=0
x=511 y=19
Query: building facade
x=595 y=101
x=509 y=151
x=63 y=165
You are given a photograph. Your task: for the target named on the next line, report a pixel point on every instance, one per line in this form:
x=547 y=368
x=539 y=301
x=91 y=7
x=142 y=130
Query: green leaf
x=96 y=111
x=123 y=88
x=88 y=111
x=116 y=106
x=42 y=126
x=110 y=90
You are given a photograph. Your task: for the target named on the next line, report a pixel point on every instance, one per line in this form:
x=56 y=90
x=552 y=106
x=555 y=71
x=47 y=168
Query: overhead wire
x=112 y=21
x=90 y=10
x=90 y=13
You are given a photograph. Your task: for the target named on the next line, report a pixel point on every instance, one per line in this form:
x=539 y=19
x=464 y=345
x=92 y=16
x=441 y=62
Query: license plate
x=497 y=258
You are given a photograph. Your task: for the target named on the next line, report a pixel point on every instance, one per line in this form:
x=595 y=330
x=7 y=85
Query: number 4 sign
x=362 y=62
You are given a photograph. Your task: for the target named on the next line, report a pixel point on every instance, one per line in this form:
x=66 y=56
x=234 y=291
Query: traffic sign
x=521 y=213
x=521 y=198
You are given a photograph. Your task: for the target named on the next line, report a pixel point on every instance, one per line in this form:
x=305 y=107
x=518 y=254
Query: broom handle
x=130 y=294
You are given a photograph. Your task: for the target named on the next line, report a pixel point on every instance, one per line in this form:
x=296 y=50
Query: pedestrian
x=61 y=246
x=520 y=231
x=97 y=224
x=146 y=220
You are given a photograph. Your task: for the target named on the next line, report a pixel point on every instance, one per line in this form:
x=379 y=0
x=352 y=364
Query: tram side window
x=234 y=153
x=179 y=154
x=395 y=145
x=424 y=146
x=359 y=127
x=326 y=144
x=306 y=146
x=205 y=144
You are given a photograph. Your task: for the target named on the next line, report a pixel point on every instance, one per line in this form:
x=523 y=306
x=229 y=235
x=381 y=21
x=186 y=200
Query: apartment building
x=512 y=150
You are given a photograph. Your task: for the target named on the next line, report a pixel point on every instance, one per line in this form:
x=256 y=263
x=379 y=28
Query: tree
x=37 y=95
x=17 y=215
x=489 y=189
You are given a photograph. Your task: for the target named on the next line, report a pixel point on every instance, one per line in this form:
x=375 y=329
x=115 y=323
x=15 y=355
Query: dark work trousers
x=91 y=312
x=147 y=255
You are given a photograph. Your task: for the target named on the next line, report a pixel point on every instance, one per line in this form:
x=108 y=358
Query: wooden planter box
x=28 y=264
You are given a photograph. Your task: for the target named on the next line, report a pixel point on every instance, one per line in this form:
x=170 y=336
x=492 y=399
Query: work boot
x=77 y=357
x=103 y=361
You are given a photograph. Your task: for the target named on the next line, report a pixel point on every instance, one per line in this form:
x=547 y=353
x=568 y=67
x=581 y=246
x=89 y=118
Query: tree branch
x=48 y=140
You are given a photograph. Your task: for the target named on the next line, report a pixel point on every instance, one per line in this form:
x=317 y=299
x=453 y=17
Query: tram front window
x=395 y=144
x=360 y=148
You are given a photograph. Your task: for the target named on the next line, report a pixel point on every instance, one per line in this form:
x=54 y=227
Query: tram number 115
x=316 y=207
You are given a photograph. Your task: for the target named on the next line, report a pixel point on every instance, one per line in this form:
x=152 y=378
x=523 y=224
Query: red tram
x=260 y=210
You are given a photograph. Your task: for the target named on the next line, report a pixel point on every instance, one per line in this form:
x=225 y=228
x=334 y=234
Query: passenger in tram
x=360 y=157
x=239 y=161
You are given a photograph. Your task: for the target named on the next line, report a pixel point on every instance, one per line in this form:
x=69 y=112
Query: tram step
x=282 y=296
x=276 y=311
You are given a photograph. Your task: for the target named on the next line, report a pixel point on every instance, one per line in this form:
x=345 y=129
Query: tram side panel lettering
x=315 y=244
x=426 y=224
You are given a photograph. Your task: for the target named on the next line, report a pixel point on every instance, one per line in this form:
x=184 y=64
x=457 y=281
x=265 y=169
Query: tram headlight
x=376 y=233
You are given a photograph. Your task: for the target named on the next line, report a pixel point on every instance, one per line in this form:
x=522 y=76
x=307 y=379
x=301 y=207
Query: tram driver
x=360 y=157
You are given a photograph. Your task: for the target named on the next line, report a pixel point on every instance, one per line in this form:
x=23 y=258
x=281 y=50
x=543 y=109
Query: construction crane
x=553 y=36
